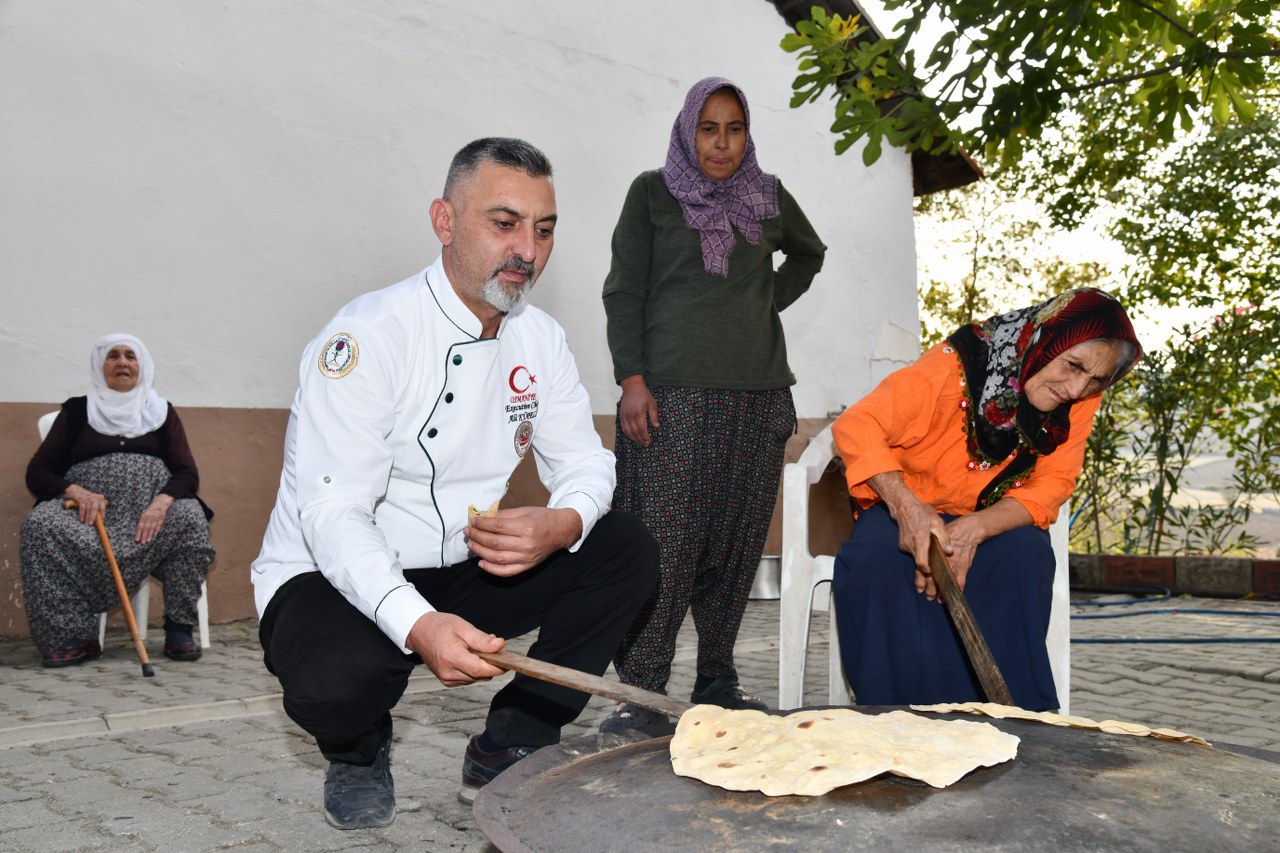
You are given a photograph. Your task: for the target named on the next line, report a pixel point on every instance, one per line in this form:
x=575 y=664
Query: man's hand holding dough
x=516 y=540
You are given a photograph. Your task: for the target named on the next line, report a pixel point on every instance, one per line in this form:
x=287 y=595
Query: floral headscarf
x=715 y=208
x=1001 y=353
x=131 y=413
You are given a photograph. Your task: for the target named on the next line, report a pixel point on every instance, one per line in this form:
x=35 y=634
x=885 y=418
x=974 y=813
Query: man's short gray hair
x=504 y=151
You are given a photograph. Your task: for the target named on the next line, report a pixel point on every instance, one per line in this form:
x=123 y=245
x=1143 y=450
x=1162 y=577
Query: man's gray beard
x=504 y=299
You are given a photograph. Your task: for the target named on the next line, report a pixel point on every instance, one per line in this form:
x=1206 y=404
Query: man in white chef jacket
x=414 y=403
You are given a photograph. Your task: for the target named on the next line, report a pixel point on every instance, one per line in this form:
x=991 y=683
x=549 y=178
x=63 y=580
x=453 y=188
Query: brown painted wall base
x=239 y=452
x=1122 y=570
x=1196 y=574
x=1266 y=578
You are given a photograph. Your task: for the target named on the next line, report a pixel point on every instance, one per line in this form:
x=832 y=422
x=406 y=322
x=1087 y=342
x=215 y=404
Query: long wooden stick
x=138 y=645
x=586 y=682
x=962 y=617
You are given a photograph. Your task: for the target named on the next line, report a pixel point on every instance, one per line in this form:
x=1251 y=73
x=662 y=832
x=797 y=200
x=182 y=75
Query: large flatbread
x=991 y=709
x=813 y=752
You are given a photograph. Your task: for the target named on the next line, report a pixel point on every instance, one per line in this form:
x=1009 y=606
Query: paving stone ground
x=201 y=758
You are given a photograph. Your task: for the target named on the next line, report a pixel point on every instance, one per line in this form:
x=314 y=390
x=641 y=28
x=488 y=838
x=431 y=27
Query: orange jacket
x=912 y=422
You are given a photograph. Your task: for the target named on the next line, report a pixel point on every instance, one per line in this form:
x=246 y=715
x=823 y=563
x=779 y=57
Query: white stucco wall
x=218 y=178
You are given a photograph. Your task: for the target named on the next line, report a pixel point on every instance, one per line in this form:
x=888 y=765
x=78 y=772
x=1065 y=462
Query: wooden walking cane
x=138 y=645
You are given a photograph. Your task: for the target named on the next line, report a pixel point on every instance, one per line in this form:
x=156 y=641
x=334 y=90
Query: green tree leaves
x=1002 y=70
x=1161 y=120
x=1208 y=392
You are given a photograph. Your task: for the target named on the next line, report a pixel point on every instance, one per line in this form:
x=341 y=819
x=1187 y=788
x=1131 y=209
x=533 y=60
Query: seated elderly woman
x=120 y=451
x=979 y=441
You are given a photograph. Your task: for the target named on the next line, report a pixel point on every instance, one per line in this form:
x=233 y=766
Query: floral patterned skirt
x=66 y=580
x=706 y=488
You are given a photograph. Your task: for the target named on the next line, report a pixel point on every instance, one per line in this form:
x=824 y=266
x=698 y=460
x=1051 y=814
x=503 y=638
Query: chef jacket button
x=431 y=433
x=122 y=442
x=457 y=359
x=328 y=479
x=448 y=398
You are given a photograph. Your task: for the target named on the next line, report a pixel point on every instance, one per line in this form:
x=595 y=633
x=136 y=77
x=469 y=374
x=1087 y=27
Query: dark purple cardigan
x=71 y=440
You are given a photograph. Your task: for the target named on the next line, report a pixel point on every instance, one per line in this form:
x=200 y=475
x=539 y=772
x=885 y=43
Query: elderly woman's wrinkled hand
x=917 y=522
x=964 y=535
x=88 y=504
x=153 y=518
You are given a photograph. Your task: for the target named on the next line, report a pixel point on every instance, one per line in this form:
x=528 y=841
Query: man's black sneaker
x=727 y=693
x=479 y=768
x=361 y=797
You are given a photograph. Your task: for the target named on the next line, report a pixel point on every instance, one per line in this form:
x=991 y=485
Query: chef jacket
x=403 y=418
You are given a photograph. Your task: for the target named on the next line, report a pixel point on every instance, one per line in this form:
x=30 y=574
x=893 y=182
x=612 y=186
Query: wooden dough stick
x=585 y=682
x=975 y=645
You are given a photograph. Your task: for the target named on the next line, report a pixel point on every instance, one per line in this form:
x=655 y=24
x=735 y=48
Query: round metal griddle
x=1067 y=790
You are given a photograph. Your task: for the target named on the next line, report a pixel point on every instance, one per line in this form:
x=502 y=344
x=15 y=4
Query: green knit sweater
x=676 y=325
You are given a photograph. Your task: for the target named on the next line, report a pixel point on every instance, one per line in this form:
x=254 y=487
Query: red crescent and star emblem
x=519 y=376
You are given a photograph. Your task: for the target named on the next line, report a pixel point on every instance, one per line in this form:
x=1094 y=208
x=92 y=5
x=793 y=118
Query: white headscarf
x=131 y=413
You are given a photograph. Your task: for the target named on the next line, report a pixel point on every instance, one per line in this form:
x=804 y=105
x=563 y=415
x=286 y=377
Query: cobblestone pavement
x=200 y=757
x=1215 y=680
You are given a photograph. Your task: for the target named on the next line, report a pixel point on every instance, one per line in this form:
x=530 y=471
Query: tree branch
x=1175 y=24
x=1163 y=69
x=1114 y=81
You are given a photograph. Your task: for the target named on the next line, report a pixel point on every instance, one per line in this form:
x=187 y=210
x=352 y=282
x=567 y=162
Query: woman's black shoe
x=178 y=642
x=73 y=653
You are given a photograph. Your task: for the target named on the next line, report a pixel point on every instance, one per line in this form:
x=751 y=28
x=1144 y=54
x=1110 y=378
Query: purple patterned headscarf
x=715 y=208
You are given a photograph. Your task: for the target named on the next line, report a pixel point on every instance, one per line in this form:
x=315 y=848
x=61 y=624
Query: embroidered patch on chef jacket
x=339 y=356
x=524 y=436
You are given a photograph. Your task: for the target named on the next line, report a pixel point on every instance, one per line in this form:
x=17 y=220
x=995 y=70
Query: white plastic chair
x=46 y=423
x=142 y=598
x=803 y=573
x=142 y=604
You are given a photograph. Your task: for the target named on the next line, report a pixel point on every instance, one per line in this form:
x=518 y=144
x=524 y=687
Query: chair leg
x=1058 y=639
x=837 y=686
x=141 y=606
x=793 y=630
x=202 y=607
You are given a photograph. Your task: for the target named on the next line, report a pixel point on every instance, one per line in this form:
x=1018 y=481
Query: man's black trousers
x=342 y=676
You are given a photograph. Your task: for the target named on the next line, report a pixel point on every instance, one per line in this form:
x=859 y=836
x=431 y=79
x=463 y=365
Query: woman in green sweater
x=692 y=300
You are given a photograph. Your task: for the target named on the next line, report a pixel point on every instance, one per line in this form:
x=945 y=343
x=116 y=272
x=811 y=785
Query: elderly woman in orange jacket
x=979 y=441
